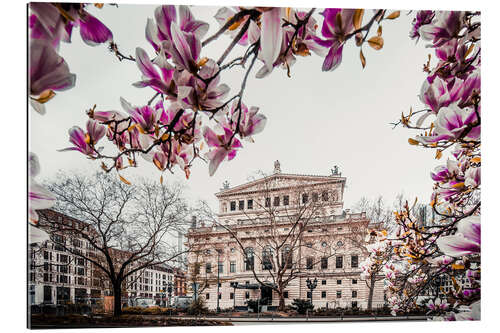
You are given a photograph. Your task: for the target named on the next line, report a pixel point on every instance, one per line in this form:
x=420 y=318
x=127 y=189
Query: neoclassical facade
x=281 y=230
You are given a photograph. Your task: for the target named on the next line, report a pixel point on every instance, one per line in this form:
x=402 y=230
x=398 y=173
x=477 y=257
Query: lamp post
x=169 y=290
x=312 y=284
x=234 y=285
x=218 y=278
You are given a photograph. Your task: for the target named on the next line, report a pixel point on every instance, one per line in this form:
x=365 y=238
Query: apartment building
x=58 y=275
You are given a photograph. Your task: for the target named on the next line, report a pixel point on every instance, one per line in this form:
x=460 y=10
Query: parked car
x=182 y=302
x=145 y=302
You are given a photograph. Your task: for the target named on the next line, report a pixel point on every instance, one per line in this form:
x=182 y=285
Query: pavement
x=303 y=320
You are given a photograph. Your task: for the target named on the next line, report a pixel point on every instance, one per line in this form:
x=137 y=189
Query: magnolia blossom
x=438 y=305
x=47 y=71
x=423 y=17
x=165 y=16
x=467 y=239
x=38 y=196
x=55 y=22
x=85 y=142
x=337 y=24
x=445 y=25
x=223 y=147
x=157 y=75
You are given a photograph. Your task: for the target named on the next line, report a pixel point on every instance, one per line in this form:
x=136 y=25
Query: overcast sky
x=315 y=119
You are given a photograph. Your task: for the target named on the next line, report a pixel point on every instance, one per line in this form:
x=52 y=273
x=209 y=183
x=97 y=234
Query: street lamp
x=312 y=284
x=169 y=290
x=218 y=278
x=234 y=285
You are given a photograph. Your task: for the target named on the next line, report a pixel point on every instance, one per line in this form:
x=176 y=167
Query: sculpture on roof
x=277 y=167
x=225 y=184
x=335 y=170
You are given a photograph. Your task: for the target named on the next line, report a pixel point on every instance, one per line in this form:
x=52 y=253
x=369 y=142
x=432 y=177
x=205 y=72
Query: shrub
x=302 y=305
x=197 y=307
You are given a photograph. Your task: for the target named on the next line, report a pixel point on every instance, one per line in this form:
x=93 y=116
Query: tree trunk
x=370 y=292
x=117 y=292
x=281 y=305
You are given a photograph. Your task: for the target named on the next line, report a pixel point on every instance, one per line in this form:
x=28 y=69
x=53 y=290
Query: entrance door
x=266 y=295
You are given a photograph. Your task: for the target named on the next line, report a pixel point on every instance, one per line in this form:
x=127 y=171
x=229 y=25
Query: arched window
x=286 y=257
x=249 y=258
x=267 y=261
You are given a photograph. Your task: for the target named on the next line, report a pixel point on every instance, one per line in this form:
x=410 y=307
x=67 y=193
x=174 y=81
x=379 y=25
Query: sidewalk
x=313 y=319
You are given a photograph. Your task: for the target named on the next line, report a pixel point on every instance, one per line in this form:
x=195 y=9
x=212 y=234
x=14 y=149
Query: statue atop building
x=277 y=167
x=225 y=185
x=335 y=170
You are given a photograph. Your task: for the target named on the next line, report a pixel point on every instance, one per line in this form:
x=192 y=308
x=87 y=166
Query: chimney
x=193 y=222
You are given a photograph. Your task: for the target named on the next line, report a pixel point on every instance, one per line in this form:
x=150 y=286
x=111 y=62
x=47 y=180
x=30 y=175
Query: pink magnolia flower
x=48 y=71
x=473 y=177
x=224 y=14
x=423 y=17
x=145 y=116
x=223 y=148
x=438 y=93
x=444 y=26
x=438 y=305
x=165 y=16
x=250 y=121
x=85 y=142
x=157 y=75
x=55 y=22
x=335 y=34
x=38 y=196
x=467 y=239
x=195 y=93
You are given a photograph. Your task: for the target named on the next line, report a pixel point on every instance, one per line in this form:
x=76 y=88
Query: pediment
x=280 y=181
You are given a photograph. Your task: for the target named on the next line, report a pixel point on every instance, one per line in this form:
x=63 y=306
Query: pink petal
x=92 y=30
x=271 y=36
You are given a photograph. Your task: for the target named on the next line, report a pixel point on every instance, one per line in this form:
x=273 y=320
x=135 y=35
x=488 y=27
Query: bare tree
x=127 y=227
x=280 y=231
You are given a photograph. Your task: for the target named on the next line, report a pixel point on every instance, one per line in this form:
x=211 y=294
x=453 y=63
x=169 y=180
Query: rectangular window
x=231 y=295
x=285 y=294
x=339 y=281
x=309 y=263
x=241 y=204
x=247 y=295
x=354 y=294
x=324 y=263
x=233 y=205
x=207 y=296
x=232 y=267
x=208 y=268
x=323 y=294
x=354 y=304
x=63 y=269
x=276 y=201
x=63 y=258
x=324 y=195
x=220 y=296
x=80 y=262
x=305 y=198
x=339 y=262
x=45 y=255
x=286 y=200
x=354 y=281
x=354 y=261
x=249 y=204
x=268 y=202
x=81 y=271
x=323 y=282
x=315 y=197
x=220 y=267
x=47 y=294
x=339 y=293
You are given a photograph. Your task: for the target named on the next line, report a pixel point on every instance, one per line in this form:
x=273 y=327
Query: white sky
x=315 y=119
